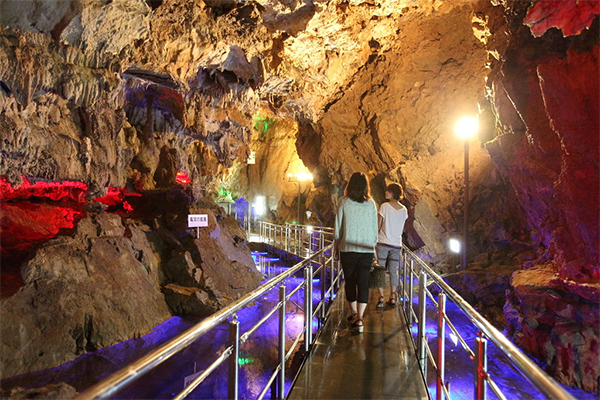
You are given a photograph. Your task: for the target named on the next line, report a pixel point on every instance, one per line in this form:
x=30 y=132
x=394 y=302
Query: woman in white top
x=355 y=237
x=391 y=218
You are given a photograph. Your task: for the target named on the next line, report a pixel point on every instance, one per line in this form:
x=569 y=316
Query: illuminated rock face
x=333 y=87
x=546 y=98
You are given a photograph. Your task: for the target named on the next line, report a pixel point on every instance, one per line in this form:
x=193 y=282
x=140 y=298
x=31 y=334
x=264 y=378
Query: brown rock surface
x=58 y=391
x=209 y=272
x=80 y=294
x=551 y=321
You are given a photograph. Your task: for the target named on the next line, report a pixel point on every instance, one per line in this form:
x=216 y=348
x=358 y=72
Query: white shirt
x=390 y=232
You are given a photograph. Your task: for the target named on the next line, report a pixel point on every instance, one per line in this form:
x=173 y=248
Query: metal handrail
x=301 y=240
x=525 y=366
x=284 y=236
x=137 y=369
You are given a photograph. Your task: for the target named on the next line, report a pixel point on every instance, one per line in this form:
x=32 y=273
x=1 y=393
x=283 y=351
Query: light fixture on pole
x=465 y=129
x=297 y=179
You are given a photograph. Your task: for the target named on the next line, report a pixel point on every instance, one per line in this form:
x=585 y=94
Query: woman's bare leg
x=361 y=310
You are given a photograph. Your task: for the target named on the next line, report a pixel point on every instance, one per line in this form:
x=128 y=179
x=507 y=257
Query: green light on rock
x=262 y=124
x=225 y=195
x=244 y=361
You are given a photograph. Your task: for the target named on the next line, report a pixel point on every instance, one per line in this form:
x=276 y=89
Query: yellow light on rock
x=304 y=176
x=466 y=127
x=298 y=178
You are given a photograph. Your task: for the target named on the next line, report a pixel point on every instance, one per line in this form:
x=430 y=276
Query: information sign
x=197 y=220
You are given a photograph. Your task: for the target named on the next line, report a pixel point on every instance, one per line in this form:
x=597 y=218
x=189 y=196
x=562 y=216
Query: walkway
x=379 y=363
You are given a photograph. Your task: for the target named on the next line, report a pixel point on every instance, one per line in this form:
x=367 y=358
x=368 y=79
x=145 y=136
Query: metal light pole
x=299 y=215
x=463 y=260
x=466 y=128
x=297 y=179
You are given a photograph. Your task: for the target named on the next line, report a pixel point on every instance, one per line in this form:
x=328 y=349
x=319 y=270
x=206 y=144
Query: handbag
x=377 y=276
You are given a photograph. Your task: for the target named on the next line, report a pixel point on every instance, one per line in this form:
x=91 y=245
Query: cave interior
x=118 y=118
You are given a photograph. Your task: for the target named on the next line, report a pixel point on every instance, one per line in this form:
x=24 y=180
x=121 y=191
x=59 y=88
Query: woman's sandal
x=392 y=301
x=381 y=301
x=351 y=317
x=355 y=325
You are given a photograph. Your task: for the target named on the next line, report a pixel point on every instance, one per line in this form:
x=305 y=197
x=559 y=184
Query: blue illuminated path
x=379 y=363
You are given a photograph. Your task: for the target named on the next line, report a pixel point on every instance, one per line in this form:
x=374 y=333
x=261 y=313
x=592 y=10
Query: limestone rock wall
x=80 y=294
x=396 y=122
x=545 y=96
x=113 y=279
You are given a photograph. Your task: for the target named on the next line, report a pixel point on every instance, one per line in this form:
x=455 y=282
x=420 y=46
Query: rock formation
x=128 y=94
x=211 y=271
x=80 y=294
x=546 y=100
x=103 y=285
x=53 y=391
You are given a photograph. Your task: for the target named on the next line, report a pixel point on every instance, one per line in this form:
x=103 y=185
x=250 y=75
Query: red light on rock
x=127 y=207
x=112 y=197
x=64 y=190
x=182 y=177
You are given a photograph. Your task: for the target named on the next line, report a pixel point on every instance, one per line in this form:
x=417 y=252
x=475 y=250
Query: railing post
x=234 y=363
x=323 y=265
x=297 y=240
x=308 y=307
x=282 y=334
x=332 y=279
x=441 y=358
x=282 y=235
x=248 y=219
x=403 y=279
x=421 y=344
x=310 y=299
x=480 y=367
x=339 y=272
x=410 y=294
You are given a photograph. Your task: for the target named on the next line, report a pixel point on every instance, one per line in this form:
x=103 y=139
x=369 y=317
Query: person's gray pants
x=389 y=256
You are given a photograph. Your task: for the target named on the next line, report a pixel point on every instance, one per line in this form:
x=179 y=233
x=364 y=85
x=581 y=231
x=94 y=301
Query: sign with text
x=197 y=220
x=251 y=158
